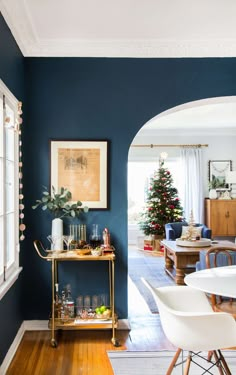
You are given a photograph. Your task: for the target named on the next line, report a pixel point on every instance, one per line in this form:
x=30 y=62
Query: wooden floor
x=85 y=352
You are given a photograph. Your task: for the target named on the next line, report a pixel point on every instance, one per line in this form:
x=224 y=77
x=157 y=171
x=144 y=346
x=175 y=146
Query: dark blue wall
x=98 y=98
x=92 y=98
x=12 y=74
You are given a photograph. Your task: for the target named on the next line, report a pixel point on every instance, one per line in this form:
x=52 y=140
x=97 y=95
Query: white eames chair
x=190 y=324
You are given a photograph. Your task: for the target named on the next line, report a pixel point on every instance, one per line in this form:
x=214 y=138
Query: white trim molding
x=22 y=25
x=12 y=350
x=9 y=282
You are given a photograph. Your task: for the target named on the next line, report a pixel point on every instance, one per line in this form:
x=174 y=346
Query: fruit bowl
x=103 y=312
x=96 y=252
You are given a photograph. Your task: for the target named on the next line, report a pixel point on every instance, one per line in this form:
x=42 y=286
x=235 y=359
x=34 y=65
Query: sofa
x=174 y=230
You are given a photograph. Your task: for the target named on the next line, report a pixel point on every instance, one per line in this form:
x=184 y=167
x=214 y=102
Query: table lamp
x=230 y=179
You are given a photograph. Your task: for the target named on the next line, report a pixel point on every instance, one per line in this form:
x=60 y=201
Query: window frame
x=9 y=273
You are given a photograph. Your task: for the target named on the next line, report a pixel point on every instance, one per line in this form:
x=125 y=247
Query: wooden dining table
x=219 y=280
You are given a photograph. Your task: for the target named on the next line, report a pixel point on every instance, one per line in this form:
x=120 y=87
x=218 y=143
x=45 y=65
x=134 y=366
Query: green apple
x=97 y=310
x=102 y=308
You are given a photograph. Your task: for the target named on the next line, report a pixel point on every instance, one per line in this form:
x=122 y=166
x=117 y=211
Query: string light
x=17 y=127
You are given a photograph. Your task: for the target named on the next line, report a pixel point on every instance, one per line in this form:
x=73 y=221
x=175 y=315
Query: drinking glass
x=54 y=241
x=67 y=239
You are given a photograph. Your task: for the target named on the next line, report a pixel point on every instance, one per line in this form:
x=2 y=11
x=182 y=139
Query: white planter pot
x=57 y=232
x=213 y=194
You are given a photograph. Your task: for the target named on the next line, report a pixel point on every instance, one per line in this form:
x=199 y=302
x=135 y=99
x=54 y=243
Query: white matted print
x=82 y=168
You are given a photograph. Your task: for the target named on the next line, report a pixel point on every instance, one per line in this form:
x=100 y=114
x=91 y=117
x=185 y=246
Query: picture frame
x=81 y=167
x=217 y=173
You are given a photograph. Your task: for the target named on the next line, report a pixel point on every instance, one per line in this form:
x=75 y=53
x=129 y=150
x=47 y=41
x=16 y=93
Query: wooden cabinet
x=220 y=216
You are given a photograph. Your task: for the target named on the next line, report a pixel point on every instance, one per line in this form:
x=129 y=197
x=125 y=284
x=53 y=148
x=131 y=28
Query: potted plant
x=213 y=185
x=60 y=205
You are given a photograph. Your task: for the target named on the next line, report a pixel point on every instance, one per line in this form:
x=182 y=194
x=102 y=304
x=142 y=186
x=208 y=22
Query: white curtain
x=191 y=165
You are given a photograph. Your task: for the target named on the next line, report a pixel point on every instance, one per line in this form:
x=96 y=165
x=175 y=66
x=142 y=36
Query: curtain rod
x=152 y=146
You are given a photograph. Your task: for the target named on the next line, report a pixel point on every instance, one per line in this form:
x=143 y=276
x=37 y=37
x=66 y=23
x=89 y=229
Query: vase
x=212 y=194
x=57 y=234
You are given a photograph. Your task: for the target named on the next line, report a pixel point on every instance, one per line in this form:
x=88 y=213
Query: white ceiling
x=132 y=28
x=124 y=28
x=209 y=116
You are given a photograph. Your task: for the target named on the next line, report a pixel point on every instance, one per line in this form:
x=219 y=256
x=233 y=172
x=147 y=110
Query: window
x=9 y=190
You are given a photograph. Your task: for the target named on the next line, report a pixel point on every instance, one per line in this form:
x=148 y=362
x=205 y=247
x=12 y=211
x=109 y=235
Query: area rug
x=157 y=363
x=151 y=269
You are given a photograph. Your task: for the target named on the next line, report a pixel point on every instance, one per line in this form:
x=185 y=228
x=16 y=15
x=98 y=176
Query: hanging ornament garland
x=22 y=226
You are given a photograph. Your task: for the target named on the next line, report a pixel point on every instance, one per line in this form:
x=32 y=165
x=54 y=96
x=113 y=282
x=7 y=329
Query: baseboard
x=38 y=325
x=12 y=350
x=123 y=324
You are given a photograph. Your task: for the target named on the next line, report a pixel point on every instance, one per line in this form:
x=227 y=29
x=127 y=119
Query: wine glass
x=55 y=242
x=68 y=239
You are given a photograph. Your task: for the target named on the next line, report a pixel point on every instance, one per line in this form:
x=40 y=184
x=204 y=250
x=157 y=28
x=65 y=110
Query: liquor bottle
x=106 y=238
x=64 y=312
x=57 y=302
x=70 y=304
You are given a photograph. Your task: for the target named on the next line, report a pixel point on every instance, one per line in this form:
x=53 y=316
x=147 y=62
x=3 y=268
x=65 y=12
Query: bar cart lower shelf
x=83 y=324
x=79 y=323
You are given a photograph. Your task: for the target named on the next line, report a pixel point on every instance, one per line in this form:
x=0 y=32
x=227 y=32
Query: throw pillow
x=197 y=231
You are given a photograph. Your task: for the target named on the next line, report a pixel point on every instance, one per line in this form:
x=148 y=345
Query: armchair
x=190 y=324
x=174 y=230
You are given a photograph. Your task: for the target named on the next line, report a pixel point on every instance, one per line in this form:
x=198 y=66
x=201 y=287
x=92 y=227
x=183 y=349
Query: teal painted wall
x=84 y=99
x=98 y=98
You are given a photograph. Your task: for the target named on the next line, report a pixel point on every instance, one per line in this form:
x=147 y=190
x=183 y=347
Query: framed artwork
x=217 y=173
x=82 y=168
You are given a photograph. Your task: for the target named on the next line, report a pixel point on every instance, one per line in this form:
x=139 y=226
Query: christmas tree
x=162 y=204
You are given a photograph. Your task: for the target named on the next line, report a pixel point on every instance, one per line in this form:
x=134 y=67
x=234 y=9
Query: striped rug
x=157 y=363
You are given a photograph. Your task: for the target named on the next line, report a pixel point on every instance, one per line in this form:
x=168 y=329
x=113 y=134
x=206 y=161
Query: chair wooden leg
x=173 y=362
x=224 y=363
x=217 y=358
x=188 y=363
x=209 y=355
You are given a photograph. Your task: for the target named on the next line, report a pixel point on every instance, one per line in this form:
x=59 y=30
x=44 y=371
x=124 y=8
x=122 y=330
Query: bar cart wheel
x=53 y=343
x=115 y=342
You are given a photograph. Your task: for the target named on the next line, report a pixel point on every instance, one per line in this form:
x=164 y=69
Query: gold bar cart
x=54 y=323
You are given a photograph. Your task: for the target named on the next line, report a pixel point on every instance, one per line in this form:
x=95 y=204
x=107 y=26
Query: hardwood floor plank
x=85 y=352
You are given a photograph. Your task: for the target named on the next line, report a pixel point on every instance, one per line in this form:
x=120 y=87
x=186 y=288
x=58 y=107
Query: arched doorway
x=210 y=121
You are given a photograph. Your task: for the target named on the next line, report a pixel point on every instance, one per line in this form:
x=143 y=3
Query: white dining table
x=219 y=280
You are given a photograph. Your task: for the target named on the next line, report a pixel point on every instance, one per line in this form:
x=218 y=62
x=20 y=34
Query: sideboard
x=220 y=216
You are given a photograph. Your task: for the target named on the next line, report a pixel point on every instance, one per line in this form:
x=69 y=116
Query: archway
x=210 y=121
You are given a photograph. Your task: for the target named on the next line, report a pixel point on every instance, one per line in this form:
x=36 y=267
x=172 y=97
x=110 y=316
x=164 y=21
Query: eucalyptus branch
x=59 y=203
